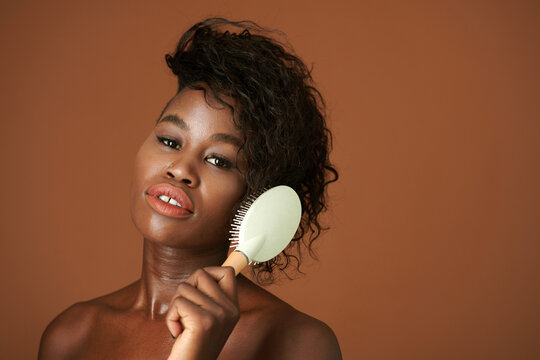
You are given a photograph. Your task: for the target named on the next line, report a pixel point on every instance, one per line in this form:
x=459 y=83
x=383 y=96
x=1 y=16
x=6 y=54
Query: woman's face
x=191 y=156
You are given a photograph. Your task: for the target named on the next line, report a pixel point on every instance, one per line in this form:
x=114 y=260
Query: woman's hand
x=203 y=313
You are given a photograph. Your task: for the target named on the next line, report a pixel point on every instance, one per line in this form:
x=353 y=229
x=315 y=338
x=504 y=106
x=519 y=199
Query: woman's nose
x=183 y=170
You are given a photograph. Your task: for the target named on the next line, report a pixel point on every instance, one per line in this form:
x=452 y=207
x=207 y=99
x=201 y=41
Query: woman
x=245 y=117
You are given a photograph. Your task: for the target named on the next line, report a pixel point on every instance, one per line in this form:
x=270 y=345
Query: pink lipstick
x=169 y=200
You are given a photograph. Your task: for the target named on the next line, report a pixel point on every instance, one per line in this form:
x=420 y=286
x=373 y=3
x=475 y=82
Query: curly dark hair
x=279 y=111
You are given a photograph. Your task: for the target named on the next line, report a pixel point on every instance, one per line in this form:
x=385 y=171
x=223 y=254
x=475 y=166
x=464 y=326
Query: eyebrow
x=175 y=120
x=226 y=138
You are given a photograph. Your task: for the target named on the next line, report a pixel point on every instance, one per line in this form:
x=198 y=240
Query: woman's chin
x=159 y=231
x=164 y=238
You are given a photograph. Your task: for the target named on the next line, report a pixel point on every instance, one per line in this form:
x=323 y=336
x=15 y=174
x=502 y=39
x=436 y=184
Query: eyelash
x=162 y=139
x=225 y=164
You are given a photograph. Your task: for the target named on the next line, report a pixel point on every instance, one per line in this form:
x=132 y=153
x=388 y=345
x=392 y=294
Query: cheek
x=144 y=167
x=138 y=174
x=235 y=190
x=226 y=193
x=146 y=164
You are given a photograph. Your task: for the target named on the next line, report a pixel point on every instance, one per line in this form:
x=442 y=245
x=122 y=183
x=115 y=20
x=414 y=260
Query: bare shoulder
x=292 y=334
x=66 y=333
x=299 y=336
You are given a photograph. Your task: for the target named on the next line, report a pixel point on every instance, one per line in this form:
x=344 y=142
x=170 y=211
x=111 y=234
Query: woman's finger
x=225 y=278
x=197 y=297
x=185 y=314
x=174 y=316
x=211 y=291
x=204 y=311
x=218 y=283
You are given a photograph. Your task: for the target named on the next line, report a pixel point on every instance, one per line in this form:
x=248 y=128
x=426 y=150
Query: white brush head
x=268 y=225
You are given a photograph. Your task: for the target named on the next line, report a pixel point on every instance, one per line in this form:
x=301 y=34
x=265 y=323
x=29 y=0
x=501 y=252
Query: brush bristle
x=239 y=217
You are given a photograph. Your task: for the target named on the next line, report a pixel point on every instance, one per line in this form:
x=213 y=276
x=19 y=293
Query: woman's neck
x=164 y=268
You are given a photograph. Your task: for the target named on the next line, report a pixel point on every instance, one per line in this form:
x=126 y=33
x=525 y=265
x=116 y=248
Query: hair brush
x=263 y=226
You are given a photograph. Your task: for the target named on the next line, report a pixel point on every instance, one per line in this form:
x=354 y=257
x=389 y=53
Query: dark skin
x=183 y=292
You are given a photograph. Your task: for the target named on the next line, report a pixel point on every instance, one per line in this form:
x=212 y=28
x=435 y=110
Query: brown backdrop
x=434 y=250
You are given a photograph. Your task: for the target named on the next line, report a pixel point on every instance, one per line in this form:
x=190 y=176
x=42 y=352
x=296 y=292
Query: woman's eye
x=219 y=161
x=169 y=143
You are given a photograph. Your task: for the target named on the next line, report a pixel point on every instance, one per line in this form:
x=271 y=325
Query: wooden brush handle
x=237 y=260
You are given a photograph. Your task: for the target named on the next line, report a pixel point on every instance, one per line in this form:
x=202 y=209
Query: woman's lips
x=152 y=196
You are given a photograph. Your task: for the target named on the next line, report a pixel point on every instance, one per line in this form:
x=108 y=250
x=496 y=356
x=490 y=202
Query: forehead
x=201 y=107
